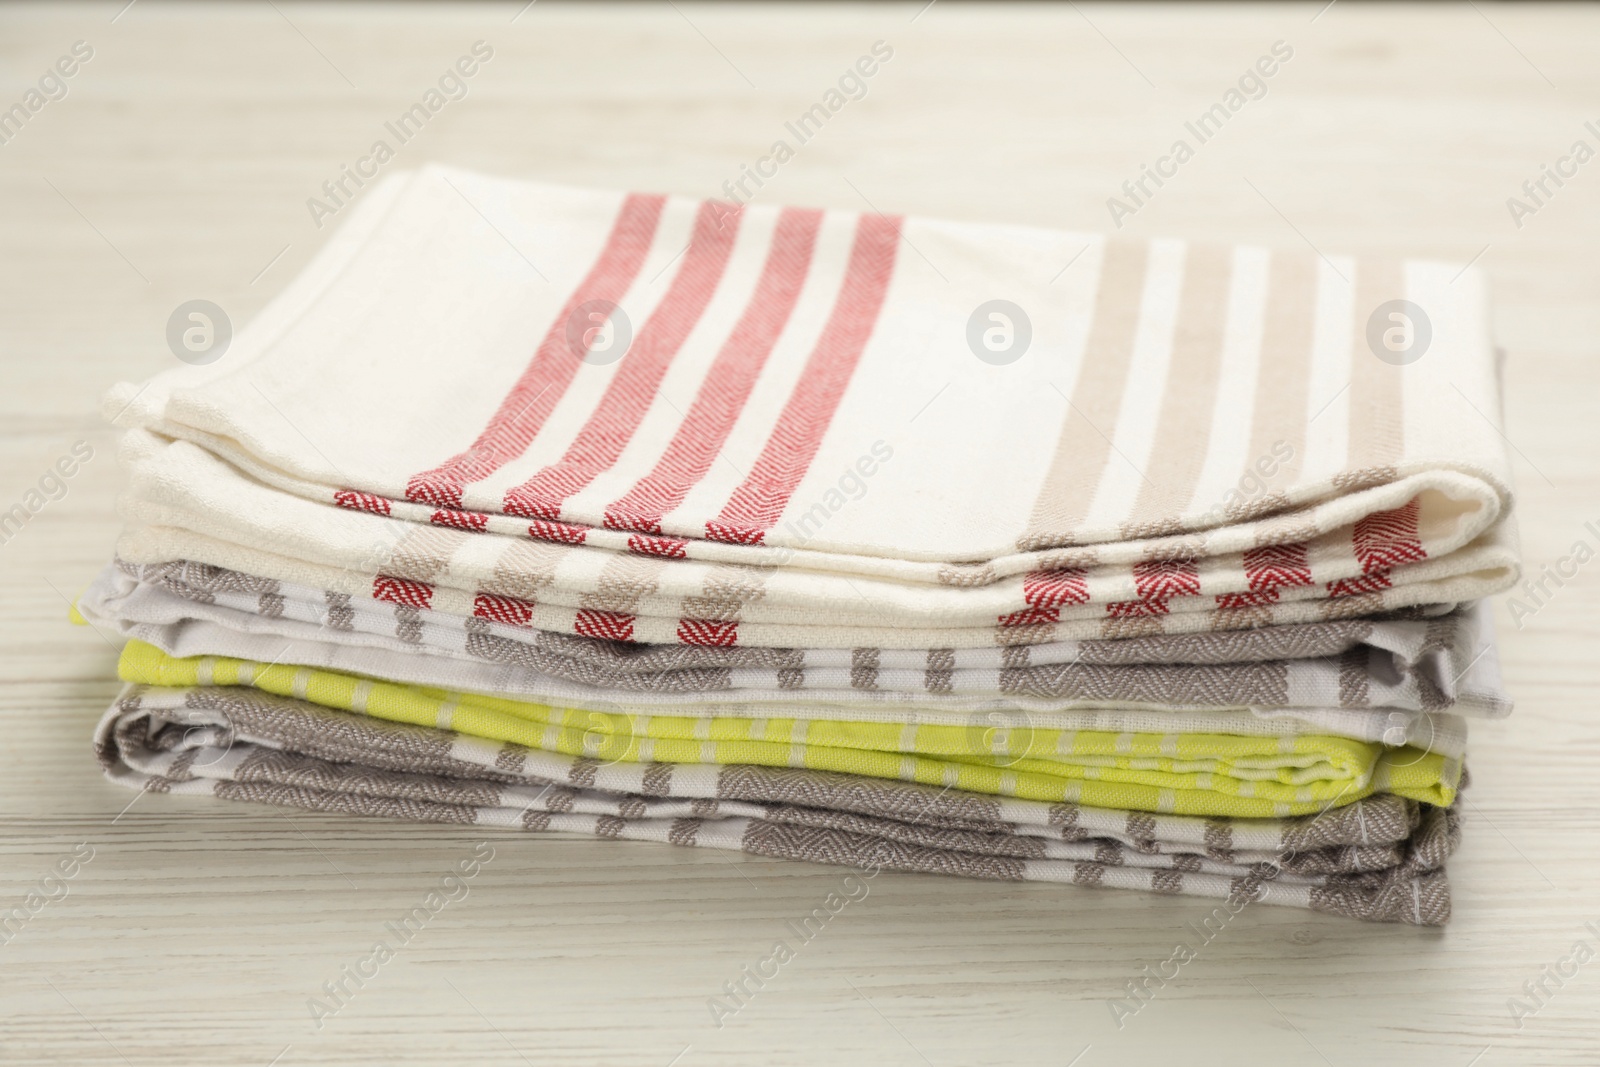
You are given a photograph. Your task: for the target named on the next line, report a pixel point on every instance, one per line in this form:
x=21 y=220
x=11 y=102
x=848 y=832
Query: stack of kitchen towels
x=833 y=536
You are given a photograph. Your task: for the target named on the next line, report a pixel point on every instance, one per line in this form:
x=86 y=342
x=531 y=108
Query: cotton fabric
x=1082 y=559
x=1379 y=859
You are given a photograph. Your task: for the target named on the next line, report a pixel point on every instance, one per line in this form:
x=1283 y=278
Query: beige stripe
x=525 y=568
x=727 y=590
x=1285 y=374
x=1188 y=401
x=1377 y=400
x=423 y=553
x=623 y=581
x=1084 y=445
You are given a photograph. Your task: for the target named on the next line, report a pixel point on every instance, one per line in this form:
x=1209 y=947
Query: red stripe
x=1051 y=589
x=755 y=506
x=1273 y=567
x=475 y=521
x=667 y=547
x=1159 y=579
x=614 y=420
x=1269 y=569
x=1387 y=539
x=1045 y=592
x=1031 y=617
x=708 y=632
x=513 y=611
x=610 y=625
x=1263 y=599
x=402 y=591
x=1375 y=582
x=559 y=532
x=1137 y=609
x=728 y=383
x=552 y=367
x=349 y=498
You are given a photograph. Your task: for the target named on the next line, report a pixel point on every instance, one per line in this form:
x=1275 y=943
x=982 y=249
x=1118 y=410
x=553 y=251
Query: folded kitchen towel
x=728 y=609
x=1183 y=773
x=831 y=535
x=1434 y=731
x=146 y=592
x=1419 y=665
x=182 y=500
x=1379 y=858
x=792 y=387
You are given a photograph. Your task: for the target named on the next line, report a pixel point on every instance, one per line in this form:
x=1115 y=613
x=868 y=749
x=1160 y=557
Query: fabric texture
x=176 y=484
x=728 y=608
x=1438 y=664
x=204 y=584
x=1082 y=559
x=1380 y=858
x=787 y=336
x=546 y=465
x=1184 y=773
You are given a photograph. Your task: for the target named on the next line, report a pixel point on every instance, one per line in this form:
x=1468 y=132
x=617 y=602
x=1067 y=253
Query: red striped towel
x=836 y=392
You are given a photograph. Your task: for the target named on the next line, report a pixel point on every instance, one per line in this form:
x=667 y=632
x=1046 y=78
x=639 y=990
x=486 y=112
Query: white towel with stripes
x=845 y=391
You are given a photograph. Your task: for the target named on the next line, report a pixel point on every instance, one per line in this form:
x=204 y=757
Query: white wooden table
x=178 y=166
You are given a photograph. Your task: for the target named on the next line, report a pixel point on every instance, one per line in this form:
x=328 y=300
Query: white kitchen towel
x=932 y=401
x=178 y=485
x=1447 y=663
x=727 y=615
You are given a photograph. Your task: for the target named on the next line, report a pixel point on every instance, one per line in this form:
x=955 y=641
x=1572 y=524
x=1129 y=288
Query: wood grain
x=179 y=165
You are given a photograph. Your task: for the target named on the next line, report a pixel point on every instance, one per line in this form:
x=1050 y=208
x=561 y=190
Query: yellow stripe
x=1189 y=774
